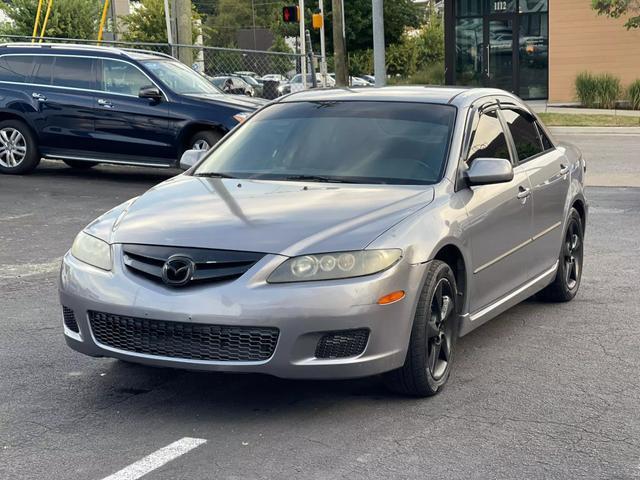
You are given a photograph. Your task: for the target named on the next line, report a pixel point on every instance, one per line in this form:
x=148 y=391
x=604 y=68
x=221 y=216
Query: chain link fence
x=210 y=61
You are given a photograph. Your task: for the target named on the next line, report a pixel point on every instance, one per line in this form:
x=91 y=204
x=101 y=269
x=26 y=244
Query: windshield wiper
x=316 y=178
x=214 y=175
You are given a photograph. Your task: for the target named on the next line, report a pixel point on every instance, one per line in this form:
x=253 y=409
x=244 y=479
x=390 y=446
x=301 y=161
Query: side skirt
x=469 y=322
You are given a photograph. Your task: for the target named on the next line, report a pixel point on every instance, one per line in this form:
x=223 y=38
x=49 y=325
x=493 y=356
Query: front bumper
x=302 y=312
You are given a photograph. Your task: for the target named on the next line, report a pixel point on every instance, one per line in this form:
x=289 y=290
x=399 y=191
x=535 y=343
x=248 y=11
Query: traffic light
x=290 y=15
x=317 y=21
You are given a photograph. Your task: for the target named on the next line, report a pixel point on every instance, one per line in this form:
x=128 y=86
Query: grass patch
x=578 y=120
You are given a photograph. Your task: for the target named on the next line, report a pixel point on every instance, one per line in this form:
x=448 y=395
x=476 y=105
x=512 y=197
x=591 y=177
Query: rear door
x=62 y=91
x=500 y=219
x=548 y=171
x=129 y=128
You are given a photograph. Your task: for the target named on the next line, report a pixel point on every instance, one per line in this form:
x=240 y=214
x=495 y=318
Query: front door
x=499 y=58
x=129 y=128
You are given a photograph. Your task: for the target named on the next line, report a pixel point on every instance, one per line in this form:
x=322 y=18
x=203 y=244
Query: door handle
x=105 y=103
x=39 y=97
x=523 y=193
x=564 y=169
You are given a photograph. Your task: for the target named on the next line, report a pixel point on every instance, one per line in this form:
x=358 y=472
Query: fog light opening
x=392 y=297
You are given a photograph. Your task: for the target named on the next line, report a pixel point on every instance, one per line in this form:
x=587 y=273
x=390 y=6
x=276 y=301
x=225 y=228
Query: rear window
x=74 y=72
x=355 y=142
x=15 y=68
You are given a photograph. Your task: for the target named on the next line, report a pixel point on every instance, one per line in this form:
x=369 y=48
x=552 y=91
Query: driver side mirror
x=190 y=158
x=150 y=92
x=485 y=171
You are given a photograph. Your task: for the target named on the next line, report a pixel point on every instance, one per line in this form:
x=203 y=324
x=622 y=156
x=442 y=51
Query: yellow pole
x=46 y=19
x=103 y=20
x=35 y=25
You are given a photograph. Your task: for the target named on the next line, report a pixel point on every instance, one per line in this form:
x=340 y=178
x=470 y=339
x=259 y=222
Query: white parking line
x=157 y=459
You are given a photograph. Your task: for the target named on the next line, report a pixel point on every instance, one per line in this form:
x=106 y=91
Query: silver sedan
x=336 y=234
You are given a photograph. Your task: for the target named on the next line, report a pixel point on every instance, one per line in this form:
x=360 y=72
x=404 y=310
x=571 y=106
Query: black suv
x=87 y=105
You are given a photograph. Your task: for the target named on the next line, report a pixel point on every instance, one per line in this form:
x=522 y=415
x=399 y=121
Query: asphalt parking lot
x=543 y=391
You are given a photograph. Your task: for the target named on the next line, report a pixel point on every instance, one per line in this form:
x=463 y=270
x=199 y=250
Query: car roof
x=458 y=96
x=77 y=49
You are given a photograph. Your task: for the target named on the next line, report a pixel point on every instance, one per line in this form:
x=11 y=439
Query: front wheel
x=204 y=140
x=567 y=282
x=18 y=149
x=433 y=337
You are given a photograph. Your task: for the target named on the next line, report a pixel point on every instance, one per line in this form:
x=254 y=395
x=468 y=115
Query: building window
x=469 y=8
x=534 y=55
x=533 y=6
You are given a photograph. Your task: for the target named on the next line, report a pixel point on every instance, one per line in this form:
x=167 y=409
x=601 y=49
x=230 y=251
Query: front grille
x=70 y=319
x=341 y=344
x=192 y=341
x=210 y=265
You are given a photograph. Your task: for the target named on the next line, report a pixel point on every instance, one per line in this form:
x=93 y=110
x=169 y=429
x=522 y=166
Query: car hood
x=288 y=218
x=240 y=101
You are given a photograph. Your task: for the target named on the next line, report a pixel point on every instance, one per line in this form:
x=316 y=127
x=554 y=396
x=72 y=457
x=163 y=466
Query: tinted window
x=42 y=70
x=73 y=72
x=524 y=133
x=546 y=143
x=489 y=140
x=124 y=78
x=357 y=142
x=15 y=68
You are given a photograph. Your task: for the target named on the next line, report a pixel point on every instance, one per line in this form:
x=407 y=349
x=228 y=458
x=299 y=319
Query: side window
x=489 y=140
x=524 y=133
x=73 y=72
x=123 y=78
x=15 y=68
x=43 y=70
x=546 y=143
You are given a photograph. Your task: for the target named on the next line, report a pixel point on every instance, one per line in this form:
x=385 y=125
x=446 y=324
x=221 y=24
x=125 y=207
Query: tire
x=80 y=164
x=435 y=325
x=18 y=148
x=567 y=282
x=204 y=140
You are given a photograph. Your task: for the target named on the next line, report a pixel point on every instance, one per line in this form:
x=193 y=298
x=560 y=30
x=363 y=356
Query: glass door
x=500 y=66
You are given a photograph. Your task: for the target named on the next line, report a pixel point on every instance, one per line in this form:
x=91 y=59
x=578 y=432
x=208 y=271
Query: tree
x=147 y=23
x=619 y=8
x=68 y=18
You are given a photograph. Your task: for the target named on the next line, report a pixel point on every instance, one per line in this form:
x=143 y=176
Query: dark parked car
x=88 y=105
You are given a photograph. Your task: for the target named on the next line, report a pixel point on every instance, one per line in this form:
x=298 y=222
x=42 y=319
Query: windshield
x=179 y=78
x=353 y=142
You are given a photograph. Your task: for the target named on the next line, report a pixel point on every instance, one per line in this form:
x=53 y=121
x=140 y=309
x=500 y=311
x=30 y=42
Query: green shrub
x=597 y=91
x=428 y=75
x=633 y=93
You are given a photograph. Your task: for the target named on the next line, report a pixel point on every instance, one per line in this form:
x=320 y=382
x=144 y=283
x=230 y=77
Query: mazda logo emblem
x=178 y=270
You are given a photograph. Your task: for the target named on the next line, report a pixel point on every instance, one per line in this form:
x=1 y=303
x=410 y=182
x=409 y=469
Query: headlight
x=333 y=266
x=90 y=250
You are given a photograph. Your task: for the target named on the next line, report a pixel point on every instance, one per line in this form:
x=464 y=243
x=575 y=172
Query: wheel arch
x=192 y=128
x=581 y=207
x=452 y=256
x=9 y=115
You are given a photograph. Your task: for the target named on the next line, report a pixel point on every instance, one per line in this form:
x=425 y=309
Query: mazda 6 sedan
x=336 y=234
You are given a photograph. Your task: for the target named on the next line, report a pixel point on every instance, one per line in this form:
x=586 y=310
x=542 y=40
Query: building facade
x=535 y=48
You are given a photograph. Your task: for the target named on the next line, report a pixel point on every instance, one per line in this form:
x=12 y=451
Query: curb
x=595 y=130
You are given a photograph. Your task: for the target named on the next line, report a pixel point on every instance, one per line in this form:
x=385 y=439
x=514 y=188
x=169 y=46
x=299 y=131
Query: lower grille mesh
x=184 y=340
x=70 y=319
x=341 y=344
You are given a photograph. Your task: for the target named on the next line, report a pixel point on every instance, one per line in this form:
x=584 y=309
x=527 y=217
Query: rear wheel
x=80 y=164
x=567 y=282
x=433 y=337
x=18 y=149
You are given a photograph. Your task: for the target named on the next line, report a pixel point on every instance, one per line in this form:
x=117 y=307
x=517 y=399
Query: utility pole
x=167 y=19
x=339 y=44
x=323 y=53
x=378 y=43
x=183 y=31
x=303 y=46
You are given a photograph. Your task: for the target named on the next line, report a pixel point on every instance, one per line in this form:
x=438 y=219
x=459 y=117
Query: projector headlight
x=334 y=266
x=93 y=251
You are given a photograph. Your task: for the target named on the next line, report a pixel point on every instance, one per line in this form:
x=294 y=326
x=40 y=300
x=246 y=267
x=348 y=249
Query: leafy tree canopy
x=147 y=23
x=68 y=18
x=618 y=9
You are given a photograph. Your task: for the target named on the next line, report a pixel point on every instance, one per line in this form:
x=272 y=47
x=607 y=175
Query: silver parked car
x=336 y=234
